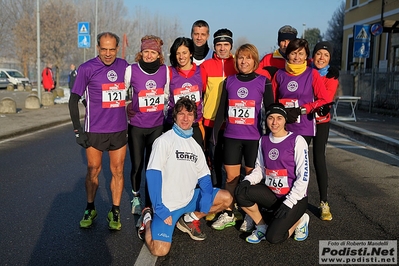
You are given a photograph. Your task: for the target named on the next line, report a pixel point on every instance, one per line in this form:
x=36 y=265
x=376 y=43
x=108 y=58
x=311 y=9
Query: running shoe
x=114 y=220
x=224 y=221
x=193 y=229
x=302 y=230
x=88 y=217
x=141 y=229
x=136 y=205
x=248 y=224
x=256 y=237
x=325 y=213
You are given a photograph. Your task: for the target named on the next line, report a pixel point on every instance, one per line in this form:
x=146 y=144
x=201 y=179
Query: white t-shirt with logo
x=182 y=162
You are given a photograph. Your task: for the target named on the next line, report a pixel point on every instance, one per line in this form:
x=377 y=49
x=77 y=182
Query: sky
x=256 y=20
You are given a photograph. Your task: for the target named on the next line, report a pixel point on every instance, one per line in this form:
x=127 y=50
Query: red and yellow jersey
x=213 y=72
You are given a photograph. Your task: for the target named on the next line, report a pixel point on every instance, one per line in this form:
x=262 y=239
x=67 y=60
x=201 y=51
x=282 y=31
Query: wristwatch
x=303 y=111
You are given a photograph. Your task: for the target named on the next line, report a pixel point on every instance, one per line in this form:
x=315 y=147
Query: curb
x=374 y=139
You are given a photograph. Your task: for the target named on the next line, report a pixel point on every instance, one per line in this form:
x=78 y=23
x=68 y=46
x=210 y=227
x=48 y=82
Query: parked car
x=3 y=80
x=14 y=76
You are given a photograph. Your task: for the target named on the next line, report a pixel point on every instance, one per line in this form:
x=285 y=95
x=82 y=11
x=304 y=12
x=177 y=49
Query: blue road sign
x=83 y=41
x=83 y=34
x=361 y=33
x=376 y=29
x=361 y=49
x=84 y=28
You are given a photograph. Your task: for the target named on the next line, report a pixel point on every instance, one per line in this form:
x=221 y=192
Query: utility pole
x=39 y=92
x=95 y=30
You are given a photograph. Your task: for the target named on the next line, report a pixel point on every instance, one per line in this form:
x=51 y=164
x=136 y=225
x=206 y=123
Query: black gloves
x=271 y=69
x=292 y=114
x=242 y=187
x=333 y=72
x=324 y=109
x=281 y=212
x=81 y=138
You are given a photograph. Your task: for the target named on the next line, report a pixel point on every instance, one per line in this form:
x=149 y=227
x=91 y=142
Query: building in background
x=383 y=48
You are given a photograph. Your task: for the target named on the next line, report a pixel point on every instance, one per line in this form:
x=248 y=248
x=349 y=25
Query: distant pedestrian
x=72 y=76
x=47 y=78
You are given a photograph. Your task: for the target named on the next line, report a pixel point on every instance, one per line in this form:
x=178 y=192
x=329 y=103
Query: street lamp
x=303 y=33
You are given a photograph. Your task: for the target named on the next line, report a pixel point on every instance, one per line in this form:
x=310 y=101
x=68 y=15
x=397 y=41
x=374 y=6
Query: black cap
x=323 y=45
x=276 y=108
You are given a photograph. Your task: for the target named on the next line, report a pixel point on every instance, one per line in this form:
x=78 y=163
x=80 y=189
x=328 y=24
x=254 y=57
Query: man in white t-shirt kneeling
x=177 y=165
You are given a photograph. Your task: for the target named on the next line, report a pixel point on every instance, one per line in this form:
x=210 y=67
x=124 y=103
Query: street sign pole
x=39 y=87
x=84 y=37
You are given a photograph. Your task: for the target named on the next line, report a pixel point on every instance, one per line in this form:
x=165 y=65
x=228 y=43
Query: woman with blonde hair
x=240 y=108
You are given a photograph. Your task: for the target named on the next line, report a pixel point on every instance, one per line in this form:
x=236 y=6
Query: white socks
x=189 y=217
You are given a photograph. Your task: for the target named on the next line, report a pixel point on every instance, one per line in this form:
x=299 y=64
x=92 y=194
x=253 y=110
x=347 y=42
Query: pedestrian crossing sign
x=362 y=33
x=83 y=27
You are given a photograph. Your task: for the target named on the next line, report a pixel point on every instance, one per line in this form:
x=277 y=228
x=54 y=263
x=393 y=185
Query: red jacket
x=331 y=86
x=47 y=79
x=274 y=59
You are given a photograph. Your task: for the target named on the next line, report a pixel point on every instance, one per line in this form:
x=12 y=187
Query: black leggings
x=260 y=194
x=140 y=142
x=215 y=154
x=319 y=158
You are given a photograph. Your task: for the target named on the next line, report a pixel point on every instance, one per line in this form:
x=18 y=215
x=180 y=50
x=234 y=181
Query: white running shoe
x=256 y=237
x=224 y=221
x=248 y=224
x=302 y=230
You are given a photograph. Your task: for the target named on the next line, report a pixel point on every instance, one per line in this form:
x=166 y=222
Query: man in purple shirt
x=101 y=80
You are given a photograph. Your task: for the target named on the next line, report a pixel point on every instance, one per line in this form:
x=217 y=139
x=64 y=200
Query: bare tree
x=57 y=31
x=10 y=13
x=25 y=41
x=335 y=33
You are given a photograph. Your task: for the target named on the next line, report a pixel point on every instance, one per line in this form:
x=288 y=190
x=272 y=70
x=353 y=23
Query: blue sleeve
x=154 y=183
x=206 y=187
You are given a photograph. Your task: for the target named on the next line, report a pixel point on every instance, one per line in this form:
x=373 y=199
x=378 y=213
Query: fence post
x=373 y=78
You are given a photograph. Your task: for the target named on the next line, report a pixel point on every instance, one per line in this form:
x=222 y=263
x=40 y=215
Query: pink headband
x=150 y=44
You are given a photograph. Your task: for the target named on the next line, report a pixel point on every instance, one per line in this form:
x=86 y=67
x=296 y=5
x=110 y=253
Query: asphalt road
x=42 y=197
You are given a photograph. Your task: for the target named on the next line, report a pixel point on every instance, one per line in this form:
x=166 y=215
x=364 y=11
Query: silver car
x=14 y=76
x=3 y=80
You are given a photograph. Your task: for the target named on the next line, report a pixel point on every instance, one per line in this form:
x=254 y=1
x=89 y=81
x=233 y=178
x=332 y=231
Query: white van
x=14 y=76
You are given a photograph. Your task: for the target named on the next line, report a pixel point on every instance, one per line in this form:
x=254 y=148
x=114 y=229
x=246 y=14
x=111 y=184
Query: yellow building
x=383 y=48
